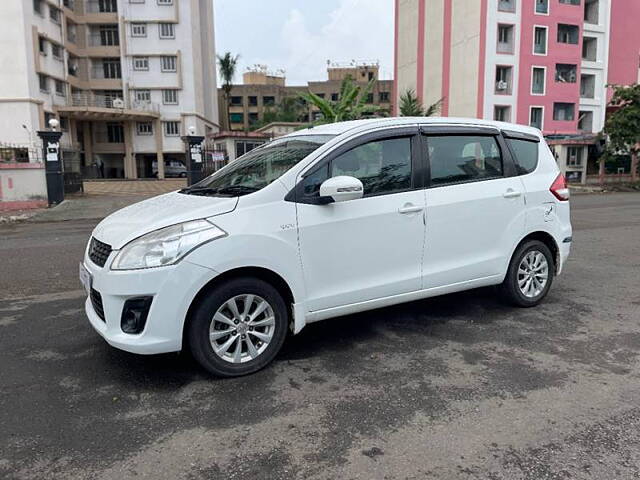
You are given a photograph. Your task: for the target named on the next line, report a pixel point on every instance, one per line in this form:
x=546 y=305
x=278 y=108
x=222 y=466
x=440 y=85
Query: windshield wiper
x=237 y=190
x=199 y=191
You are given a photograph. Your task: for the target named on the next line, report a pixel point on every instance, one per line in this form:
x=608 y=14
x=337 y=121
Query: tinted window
x=457 y=159
x=526 y=155
x=382 y=166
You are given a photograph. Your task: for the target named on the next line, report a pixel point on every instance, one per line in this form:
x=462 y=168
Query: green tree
x=410 y=106
x=290 y=109
x=351 y=105
x=227 y=64
x=623 y=125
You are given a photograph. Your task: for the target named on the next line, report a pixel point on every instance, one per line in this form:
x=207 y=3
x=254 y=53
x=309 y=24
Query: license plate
x=85 y=278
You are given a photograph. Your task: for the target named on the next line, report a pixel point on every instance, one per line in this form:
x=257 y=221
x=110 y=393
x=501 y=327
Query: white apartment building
x=125 y=78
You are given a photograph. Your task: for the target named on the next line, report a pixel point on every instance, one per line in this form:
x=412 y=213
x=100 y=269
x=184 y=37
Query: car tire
x=206 y=330
x=522 y=285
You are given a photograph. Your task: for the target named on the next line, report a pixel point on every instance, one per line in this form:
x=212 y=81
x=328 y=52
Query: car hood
x=122 y=226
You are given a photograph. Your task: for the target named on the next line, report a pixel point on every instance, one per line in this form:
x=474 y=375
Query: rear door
x=475 y=205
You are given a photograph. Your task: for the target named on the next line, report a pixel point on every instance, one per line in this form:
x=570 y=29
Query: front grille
x=99 y=252
x=96 y=302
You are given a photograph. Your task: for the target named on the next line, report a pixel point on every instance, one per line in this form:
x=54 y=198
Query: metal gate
x=213 y=160
x=72 y=170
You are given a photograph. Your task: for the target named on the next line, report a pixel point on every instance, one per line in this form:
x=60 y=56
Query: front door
x=371 y=247
x=475 y=209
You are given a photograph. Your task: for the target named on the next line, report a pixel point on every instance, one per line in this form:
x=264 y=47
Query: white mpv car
x=325 y=222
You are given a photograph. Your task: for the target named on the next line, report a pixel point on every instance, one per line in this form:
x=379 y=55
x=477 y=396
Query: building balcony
x=91 y=106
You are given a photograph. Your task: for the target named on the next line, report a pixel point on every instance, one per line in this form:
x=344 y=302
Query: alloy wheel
x=533 y=274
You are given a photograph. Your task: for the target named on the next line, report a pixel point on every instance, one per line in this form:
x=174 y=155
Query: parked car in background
x=172 y=168
x=324 y=222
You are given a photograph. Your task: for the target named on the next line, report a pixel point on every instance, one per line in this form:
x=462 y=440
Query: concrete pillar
x=87 y=139
x=130 y=167
x=157 y=129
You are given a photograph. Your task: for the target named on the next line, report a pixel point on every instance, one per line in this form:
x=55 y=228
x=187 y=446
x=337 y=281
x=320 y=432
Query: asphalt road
x=455 y=387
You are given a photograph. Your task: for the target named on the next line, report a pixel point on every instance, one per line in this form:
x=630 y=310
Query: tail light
x=559 y=188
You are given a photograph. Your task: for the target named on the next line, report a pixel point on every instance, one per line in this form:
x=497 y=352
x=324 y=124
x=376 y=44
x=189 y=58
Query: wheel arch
x=547 y=239
x=265 y=274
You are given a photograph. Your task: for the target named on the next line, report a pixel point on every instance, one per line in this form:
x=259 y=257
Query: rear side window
x=526 y=155
x=458 y=159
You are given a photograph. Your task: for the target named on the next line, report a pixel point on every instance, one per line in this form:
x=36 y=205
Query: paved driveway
x=455 y=387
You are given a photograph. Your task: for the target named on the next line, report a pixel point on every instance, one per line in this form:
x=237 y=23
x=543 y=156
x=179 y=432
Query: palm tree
x=351 y=105
x=410 y=106
x=227 y=64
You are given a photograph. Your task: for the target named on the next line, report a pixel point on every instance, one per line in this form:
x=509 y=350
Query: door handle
x=410 y=208
x=511 y=193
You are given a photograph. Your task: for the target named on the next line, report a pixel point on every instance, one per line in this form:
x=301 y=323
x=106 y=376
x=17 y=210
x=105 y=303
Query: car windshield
x=259 y=167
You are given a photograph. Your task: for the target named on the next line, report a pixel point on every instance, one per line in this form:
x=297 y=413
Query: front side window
x=525 y=155
x=458 y=159
x=383 y=167
x=260 y=167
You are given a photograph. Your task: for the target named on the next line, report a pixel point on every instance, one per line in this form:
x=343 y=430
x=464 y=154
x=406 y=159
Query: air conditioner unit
x=501 y=85
x=118 y=103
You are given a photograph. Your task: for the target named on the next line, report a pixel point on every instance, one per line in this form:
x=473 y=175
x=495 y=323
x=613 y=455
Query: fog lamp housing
x=134 y=314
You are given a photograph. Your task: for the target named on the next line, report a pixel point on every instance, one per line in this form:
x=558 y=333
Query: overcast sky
x=299 y=36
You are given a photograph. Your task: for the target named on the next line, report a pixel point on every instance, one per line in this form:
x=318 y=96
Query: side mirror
x=341 y=189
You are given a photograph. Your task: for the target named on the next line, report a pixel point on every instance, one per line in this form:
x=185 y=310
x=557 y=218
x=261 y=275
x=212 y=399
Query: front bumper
x=173 y=289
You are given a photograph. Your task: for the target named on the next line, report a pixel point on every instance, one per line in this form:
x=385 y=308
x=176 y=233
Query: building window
x=165 y=2
x=170 y=97
x=568 y=34
x=542 y=7
x=115 y=133
x=538 y=75
x=143 y=95
x=536 y=115
x=111 y=68
x=503 y=80
x=502 y=113
x=43 y=80
x=505 y=38
x=590 y=49
x=507 y=5
x=54 y=14
x=169 y=64
x=236 y=118
x=56 y=51
x=253 y=101
x=236 y=101
x=335 y=97
x=574 y=156
x=253 y=118
x=369 y=98
x=172 y=129
x=383 y=97
x=108 y=36
x=138 y=29
x=107 y=6
x=592 y=12
x=587 y=86
x=566 y=73
x=37 y=7
x=141 y=63
x=585 y=122
x=570 y=2
x=60 y=88
x=564 y=112
x=167 y=30
x=145 y=128
x=269 y=101
x=42 y=45
x=540 y=40
x=245 y=147
x=64 y=124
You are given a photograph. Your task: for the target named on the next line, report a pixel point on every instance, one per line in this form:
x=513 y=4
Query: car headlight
x=165 y=246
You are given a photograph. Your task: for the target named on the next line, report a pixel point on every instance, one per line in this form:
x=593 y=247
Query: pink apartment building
x=545 y=63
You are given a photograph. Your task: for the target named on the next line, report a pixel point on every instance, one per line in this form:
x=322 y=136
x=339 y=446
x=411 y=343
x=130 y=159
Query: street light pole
x=53 y=162
x=193 y=156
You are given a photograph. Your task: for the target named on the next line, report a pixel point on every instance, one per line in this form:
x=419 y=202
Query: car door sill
x=401 y=298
